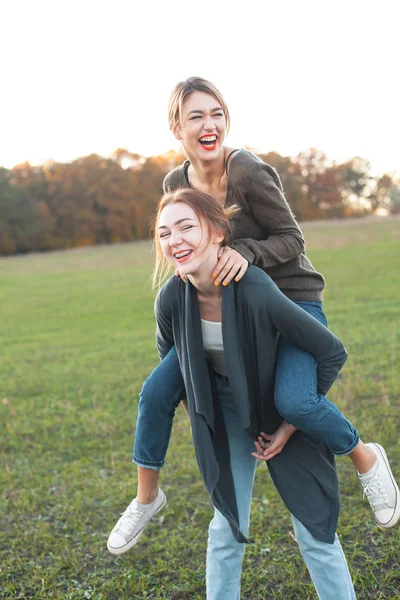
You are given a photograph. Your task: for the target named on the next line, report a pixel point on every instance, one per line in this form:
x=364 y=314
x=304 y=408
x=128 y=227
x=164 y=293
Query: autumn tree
x=95 y=200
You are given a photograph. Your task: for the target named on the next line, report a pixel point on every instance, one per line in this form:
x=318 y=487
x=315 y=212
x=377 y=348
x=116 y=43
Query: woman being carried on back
x=264 y=234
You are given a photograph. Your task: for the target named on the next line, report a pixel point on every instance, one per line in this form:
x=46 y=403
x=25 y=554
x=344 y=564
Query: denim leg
x=326 y=562
x=327 y=565
x=161 y=393
x=224 y=553
x=296 y=396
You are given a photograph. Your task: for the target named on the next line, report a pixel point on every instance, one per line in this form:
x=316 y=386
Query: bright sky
x=91 y=76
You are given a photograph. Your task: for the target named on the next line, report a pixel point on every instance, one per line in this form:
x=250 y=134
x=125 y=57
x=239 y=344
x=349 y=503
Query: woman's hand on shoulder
x=231 y=265
x=269 y=446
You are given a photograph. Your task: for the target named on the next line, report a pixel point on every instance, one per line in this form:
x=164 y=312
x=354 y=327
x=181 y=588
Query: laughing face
x=185 y=242
x=202 y=129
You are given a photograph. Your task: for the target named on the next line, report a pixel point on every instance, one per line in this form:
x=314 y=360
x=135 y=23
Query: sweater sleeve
x=164 y=331
x=263 y=193
x=302 y=329
x=175 y=180
x=166 y=184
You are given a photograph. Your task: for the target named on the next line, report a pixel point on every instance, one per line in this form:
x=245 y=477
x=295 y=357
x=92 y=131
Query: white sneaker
x=130 y=525
x=381 y=489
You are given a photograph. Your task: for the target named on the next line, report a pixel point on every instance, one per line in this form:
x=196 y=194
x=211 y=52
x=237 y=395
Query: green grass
x=77 y=332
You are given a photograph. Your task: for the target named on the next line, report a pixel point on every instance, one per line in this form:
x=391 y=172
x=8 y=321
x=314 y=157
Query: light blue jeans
x=326 y=562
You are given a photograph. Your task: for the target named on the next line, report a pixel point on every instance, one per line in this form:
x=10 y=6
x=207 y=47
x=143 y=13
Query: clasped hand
x=269 y=446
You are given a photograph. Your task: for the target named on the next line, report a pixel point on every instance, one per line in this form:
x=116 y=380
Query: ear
x=218 y=238
x=177 y=132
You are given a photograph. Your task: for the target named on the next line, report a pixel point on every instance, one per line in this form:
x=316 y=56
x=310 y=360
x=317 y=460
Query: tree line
x=97 y=200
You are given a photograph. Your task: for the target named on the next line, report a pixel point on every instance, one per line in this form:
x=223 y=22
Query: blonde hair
x=209 y=211
x=183 y=90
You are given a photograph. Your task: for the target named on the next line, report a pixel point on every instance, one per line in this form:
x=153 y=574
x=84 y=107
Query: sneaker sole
x=396 y=514
x=117 y=551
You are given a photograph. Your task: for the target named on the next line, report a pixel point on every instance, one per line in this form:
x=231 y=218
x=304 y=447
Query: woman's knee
x=152 y=389
x=163 y=389
x=154 y=400
x=303 y=537
x=308 y=544
x=221 y=541
x=294 y=408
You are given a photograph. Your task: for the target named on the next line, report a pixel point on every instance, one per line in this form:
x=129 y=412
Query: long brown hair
x=209 y=211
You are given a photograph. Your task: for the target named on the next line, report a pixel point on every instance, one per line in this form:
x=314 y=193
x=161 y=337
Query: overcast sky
x=91 y=76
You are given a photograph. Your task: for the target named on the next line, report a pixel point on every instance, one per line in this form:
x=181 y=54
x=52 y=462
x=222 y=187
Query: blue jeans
x=326 y=562
x=161 y=393
x=295 y=396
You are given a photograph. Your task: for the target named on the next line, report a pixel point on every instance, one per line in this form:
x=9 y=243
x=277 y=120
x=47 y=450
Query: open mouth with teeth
x=182 y=255
x=208 y=142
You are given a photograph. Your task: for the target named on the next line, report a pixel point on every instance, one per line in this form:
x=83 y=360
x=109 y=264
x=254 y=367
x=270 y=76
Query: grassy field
x=77 y=333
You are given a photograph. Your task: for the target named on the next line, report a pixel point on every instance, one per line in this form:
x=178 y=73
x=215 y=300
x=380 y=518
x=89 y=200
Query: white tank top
x=213 y=345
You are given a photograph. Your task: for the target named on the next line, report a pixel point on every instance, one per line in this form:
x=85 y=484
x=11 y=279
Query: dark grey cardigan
x=254 y=315
x=264 y=231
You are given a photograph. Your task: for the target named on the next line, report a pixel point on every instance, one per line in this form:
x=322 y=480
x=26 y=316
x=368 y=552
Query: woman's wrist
x=289 y=429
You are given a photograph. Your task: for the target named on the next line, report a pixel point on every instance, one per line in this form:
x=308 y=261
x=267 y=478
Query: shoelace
x=376 y=491
x=129 y=519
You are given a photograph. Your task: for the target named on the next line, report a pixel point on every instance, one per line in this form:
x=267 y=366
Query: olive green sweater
x=265 y=231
